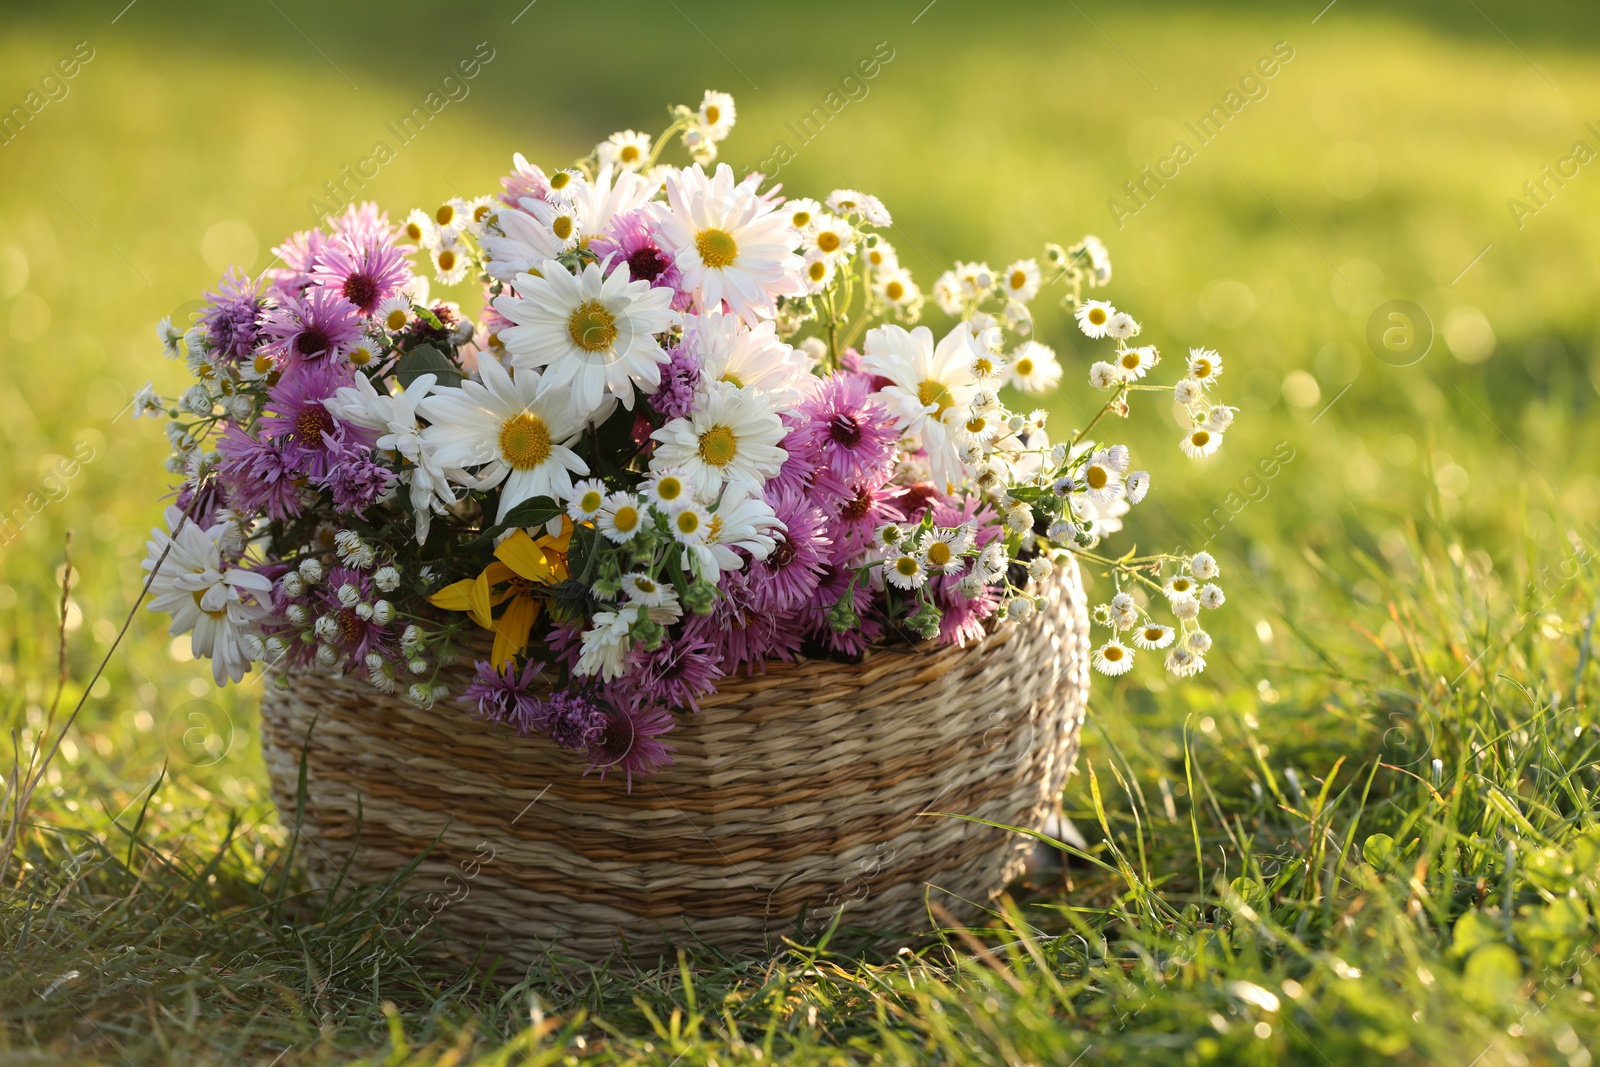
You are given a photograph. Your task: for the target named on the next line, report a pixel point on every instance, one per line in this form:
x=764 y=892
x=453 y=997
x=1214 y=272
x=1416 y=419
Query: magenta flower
x=675 y=675
x=256 y=476
x=311 y=326
x=679 y=377
x=365 y=271
x=301 y=427
x=233 y=317
x=844 y=429
x=628 y=741
x=629 y=236
x=739 y=635
x=830 y=589
x=353 y=636
x=793 y=568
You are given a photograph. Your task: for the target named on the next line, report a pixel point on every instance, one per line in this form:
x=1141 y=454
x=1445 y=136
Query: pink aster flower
x=364 y=270
x=629 y=742
x=792 y=569
x=233 y=317
x=629 y=236
x=739 y=634
x=844 y=428
x=311 y=326
x=256 y=476
x=525 y=179
x=297 y=422
x=361 y=224
x=867 y=507
x=676 y=675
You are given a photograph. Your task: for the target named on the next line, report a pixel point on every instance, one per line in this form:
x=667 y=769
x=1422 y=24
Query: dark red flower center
x=350 y=626
x=311 y=341
x=856 y=508
x=361 y=290
x=783 y=553
x=844 y=429
x=647 y=264
x=616 y=740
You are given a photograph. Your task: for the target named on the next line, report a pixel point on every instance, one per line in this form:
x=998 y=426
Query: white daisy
x=888 y=537
x=519 y=241
x=1185 y=608
x=819 y=271
x=1188 y=392
x=620 y=517
x=1198 y=641
x=690 y=524
x=1220 y=418
x=419 y=228
x=798 y=213
x=626 y=149
x=832 y=236
x=895 y=287
x=613 y=191
x=743 y=520
x=395 y=419
x=1100 y=480
x=716 y=115
x=394 y=313
x=606 y=643
x=643 y=589
x=728 y=244
x=1094 y=317
x=1203 y=565
x=1034 y=368
x=881 y=256
x=905 y=570
x=1103 y=375
x=204 y=597
x=668 y=490
x=588 y=497
x=930 y=387
x=746 y=357
x=1153 y=636
x=511 y=428
x=567 y=183
x=942 y=549
x=591 y=334
x=1178 y=586
x=947 y=293
x=1113 y=658
x=1021 y=280
x=1137 y=485
x=449 y=264
x=1205 y=366
x=1211 y=597
x=733 y=437
x=1200 y=442
x=1134 y=363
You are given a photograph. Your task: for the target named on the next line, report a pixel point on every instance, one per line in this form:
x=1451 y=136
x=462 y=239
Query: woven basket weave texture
x=794 y=794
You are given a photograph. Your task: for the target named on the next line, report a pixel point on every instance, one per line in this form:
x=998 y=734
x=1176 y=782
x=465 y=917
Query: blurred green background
x=1377 y=166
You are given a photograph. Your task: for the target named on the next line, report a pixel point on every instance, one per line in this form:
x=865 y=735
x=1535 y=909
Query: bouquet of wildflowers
x=693 y=427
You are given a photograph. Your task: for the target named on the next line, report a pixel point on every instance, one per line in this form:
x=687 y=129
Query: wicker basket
x=794 y=794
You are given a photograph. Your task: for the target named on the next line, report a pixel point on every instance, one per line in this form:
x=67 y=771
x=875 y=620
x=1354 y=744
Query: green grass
x=1404 y=590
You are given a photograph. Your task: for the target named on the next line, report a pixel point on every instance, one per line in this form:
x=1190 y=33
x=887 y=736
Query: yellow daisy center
x=718 y=446
x=444 y=214
x=713 y=113
x=894 y=291
x=1200 y=438
x=1112 y=653
x=936 y=393
x=1152 y=633
x=262 y=364
x=828 y=241
x=562 y=226
x=524 y=441
x=1024 y=366
x=939 y=553
x=413 y=231
x=1201 y=368
x=629 y=154
x=687 y=522
x=644 y=585
x=626 y=518
x=1180 y=585
x=1131 y=360
x=1018 y=279
x=906 y=566
x=447 y=260
x=360 y=355
x=669 y=489
x=1097 y=477
x=977 y=424
x=801 y=218
x=733 y=380
x=817 y=271
x=198 y=595
x=1097 y=316
x=560 y=179
x=481 y=212
x=396 y=319
x=590 y=502
x=591 y=327
x=717 y=248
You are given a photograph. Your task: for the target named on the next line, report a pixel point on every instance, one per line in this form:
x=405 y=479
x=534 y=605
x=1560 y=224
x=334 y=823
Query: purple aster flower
x=355 y=481
x=505 y=696
x=316 y=324
x=299 y=254
x=630 y=236
x=256 y=477
x=843 y=428
x=233 y=317
x=366 y=270
x=573 y=721
x=794 y=566
x=830 y=589
x=628 y=741
x=361 y=224
x=675 y=398
x=675 y=675
x=740 y=635
x=858 y=516
x=212 y=496
x=296 y=421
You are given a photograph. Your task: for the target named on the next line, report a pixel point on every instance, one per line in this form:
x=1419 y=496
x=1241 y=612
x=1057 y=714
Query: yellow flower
x=521 y=565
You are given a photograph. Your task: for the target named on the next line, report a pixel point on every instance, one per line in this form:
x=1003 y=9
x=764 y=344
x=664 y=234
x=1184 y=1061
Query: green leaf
x=1380 y=851
x=427 y=316
x=1472 y=931
x=1494 y=972
x=535 y=511
x=426 y=359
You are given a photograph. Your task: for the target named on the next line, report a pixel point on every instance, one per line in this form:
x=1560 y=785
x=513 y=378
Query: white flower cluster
x=1189 y=590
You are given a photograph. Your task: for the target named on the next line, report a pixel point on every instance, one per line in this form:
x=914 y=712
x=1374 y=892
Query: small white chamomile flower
x=1198 y=641
x=1205 y=366
x=1188 y=392
x=888 y=537
x=625 y=149
x=1133 y=363
x=691 y=524
x=1200 y=442
x=1020 y=608
x=643 y=589
x=667 y=490
x=1040 y=568
x=1203 y=565
x=1103 y=375
x=1185 y=608
x=1137 y=485
x=1220 y=418
x=1113 y=658
x=1021 y=280
x=1153 y=636
x=621 y=517
x=1211 y=597
x=1122 y=326
x=393 y=313
x=588 y=497
x=1184 y=662
x=1094 y=317
x=1034 y=368
x=905 y=570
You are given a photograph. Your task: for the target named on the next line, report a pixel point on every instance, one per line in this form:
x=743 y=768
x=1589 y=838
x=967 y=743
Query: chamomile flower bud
x=311 y=571
x=1041 y=603
x=197 y=401
x=1204 y=566
x=1211 y=597
x=1137 y=485
x=421 y=695
x=327 y=627
x=1122 y=603
x=381 y=680
x=1198 y=641
x=417 y=666
x=1188 y=392
x=364 y=612
x=1061 y=531
x=1040 y=568
x=1016 y=422
x=349 y=595
x=374 y=661
x=1103 y=375
x=1122 y=326
x=296 y=614
x=253 y=646
x=700 y=597
x=1059 y=454
x=412 y=637
x=326 y=656
x=292 y=584
x=1019 y=517
x=969 y=586
x=383 y=613
x=1101 y=615
x=386 y=578
x=1064 y=486
x=971 y=453
x=1219 y=418
x=1021 y=608
x=1186 y=608
x=1184 y=662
